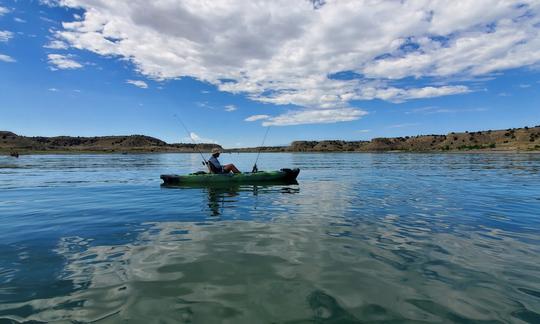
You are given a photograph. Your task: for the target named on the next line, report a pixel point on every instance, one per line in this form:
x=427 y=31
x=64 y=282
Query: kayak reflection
x=221 y=196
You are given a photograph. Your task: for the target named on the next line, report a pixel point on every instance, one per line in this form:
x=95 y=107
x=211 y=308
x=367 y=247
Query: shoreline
x=22 y=153
x=512 y=140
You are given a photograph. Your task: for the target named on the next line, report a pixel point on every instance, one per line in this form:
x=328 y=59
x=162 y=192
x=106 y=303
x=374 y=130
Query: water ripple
x=400 y=237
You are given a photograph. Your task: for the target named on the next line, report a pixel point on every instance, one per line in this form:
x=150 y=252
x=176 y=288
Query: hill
x=134 y=143
x=514 y=139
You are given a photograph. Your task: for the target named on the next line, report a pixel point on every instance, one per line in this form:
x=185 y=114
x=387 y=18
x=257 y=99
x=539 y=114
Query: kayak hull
x=283 y=175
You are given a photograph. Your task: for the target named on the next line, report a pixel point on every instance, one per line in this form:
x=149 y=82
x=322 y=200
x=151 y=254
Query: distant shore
x=87 y=152
x=513 y=140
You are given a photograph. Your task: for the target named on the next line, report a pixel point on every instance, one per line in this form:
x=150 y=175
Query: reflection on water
x=431 y=238
x=225 y=195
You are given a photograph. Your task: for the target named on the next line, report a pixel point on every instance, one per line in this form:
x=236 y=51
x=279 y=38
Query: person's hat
x=216 y=150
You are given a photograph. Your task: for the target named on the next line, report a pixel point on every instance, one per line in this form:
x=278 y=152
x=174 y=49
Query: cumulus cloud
x=400 y=95
x=63 y=62
x=138 y=83
x=56 y=44
x=198 y=139
x=3 y=11
x=256 y=117
x=5 y=35
x=320 y=116
x=7 y=59
x=285 y=52
x=230 y=108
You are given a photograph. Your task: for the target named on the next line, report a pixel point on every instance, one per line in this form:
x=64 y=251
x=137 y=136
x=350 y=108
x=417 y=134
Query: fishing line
x=189 y=135
x=255 y=169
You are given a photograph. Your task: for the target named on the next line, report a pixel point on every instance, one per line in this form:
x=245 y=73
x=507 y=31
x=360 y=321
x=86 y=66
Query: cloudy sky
x=229 y=68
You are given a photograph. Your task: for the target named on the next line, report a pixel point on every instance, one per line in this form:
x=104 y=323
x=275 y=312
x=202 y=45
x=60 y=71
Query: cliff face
x=326 y=146
x=510 y=139
x=135 y=143
x=523 y=139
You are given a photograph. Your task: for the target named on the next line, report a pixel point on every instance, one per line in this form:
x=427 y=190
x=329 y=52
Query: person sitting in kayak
x=216 y=167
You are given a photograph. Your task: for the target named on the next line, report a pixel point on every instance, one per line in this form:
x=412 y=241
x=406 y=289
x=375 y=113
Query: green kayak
x=284 y=175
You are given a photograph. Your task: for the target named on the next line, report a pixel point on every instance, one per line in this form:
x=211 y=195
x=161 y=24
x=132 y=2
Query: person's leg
x=231 y=167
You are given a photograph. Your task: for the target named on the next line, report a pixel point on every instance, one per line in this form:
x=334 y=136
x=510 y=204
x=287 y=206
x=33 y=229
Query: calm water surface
x=361 y=238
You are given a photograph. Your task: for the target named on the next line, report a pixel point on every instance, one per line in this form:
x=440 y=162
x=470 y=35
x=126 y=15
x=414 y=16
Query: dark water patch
x=441 y=312
x=530 y=292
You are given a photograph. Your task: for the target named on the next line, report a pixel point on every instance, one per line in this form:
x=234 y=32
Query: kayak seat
x=213 y=169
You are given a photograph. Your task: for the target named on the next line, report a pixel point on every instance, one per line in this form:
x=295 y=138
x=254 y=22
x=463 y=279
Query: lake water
x=360 y=238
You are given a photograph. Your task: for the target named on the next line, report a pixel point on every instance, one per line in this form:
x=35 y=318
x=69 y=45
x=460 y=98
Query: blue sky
x=343 y=70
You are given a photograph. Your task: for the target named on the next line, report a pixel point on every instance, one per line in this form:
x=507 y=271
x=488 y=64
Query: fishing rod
x=255 y=169
x=189 y=135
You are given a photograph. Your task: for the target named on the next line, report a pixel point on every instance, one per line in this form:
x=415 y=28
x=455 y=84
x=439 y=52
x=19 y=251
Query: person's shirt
x=215 y=163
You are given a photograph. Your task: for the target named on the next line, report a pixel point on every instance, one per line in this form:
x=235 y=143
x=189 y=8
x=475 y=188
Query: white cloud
x=56 y=44
x=5 y=35
x=50 y=3
x=138 y=83
x=48 y=20
x=53 y=89
x=285 y=52
x=320 y=116
x=394 y=94
x=405 y=125
x=204 y=104
x=364 y=131
x=3 y=11
x=7 y=59
x=198 y=139
x=230 y=108
x=439 y=110
x=256 y=117
x=63 y=62
x=19 y=20
x=524 y=86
